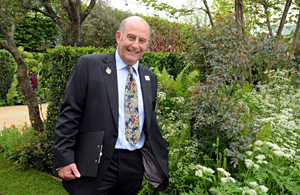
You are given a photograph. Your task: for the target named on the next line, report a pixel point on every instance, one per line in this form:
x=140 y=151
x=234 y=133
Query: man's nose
x=135 y=44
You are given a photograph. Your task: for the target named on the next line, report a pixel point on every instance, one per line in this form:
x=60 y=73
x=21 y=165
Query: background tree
x=99 y=28
x=11 y=13
x=68 y=15
x=283 y=19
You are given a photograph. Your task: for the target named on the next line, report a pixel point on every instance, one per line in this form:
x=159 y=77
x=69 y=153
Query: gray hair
x=122 y=26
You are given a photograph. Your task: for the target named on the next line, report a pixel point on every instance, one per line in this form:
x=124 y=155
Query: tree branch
x=208 y=13
x=4 y=45
x=7 y=37
x=295 y=38
x=66 y=7
x=44 y=13
x=48 y=7
x=86 y=12
x=282 y=21
x=53 y=16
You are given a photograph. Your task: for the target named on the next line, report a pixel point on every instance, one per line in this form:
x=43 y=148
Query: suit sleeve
x=68 y=121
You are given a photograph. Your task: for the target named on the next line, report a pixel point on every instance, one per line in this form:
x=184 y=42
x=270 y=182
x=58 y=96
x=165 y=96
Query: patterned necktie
x=132 y=122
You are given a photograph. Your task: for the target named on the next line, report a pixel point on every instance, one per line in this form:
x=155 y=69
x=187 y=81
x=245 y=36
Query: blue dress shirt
x=122 y=73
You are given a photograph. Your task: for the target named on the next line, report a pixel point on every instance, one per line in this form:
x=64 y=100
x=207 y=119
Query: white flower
x=256 y=166
x=265 y=162
x=251 y=192
x=226 y=174
x=254 y=184
x=263 y=188
x=260 y=157
x=199 y=173
x=232 y=180
x=248 y=191
x=259 y=161
x=258 y=143
x=209 y=170
x=249 y=163
x=249 y=153
x=227 y=179
x=279 y=153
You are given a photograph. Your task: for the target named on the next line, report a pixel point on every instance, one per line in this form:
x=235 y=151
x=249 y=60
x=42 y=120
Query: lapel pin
x=147 y=78
x=108 y=70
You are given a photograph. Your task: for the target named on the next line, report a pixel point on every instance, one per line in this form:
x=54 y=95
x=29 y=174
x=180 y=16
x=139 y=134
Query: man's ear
x=118 y=36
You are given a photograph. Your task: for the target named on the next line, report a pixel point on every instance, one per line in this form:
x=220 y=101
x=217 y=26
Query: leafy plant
x=32 y=30
x=7 y=68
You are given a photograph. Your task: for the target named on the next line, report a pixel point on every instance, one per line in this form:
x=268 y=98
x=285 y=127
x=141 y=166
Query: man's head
x=132 y=38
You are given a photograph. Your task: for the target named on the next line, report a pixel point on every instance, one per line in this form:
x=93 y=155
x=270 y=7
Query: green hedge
x=32 y=30
x=62 y=61
x=7 y=67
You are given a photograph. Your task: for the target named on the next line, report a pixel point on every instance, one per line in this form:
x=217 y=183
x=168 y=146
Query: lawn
x=15 y=181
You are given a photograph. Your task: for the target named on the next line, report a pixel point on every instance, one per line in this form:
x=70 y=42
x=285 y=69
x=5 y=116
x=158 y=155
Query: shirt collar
x=120 y=64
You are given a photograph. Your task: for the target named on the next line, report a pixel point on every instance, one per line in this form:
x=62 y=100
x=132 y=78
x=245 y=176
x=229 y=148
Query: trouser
x=124 y=174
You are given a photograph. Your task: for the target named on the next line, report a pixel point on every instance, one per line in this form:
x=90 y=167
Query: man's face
x=133 y=44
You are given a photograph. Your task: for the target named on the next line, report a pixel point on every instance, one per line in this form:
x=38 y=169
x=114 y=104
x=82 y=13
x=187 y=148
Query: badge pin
x=147 y=78
x=108 y=70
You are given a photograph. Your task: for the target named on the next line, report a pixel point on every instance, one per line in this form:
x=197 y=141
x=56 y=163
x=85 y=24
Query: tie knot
x=130 y=69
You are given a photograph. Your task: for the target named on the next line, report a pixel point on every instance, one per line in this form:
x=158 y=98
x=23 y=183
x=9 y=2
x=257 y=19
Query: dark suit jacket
x=91 y=104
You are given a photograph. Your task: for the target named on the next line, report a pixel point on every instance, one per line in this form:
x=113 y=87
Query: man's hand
x=69 y=172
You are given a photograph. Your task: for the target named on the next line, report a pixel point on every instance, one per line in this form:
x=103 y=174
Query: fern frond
x=260 y=176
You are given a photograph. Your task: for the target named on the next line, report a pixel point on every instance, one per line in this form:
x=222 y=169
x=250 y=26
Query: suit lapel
x=146 y=91
x=110 y=77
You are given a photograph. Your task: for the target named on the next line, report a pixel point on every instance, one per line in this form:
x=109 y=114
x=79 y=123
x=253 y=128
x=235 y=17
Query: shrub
x=216 y=112
x=7 y=68
x=169 y=36
x=25 y=145
x=173 y=62
x=32 y=30
x=237 y=56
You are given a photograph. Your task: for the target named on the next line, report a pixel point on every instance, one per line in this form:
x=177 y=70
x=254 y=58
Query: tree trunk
x=239 y=10
x=283 y=18
x=267 y=17
x=76 y=15
x=293 y=48
x=208 y=13
x=72 y=35
x=23 y=80
x=295 y=38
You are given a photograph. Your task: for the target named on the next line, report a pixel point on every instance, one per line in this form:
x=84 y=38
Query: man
x=98 y=96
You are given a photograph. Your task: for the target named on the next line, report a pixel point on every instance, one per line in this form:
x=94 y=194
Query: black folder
x=88 y=152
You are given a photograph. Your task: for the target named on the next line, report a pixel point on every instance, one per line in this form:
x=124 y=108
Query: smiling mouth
x=134 y=52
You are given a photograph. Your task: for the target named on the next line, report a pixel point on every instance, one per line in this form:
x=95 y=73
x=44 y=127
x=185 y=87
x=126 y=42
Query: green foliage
x=172 y=62
x=25 y=146
x=14 y=96
x=34 y=64
x=7 y=68
x=32 y=30
x=100 y=27
x=13 y=136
